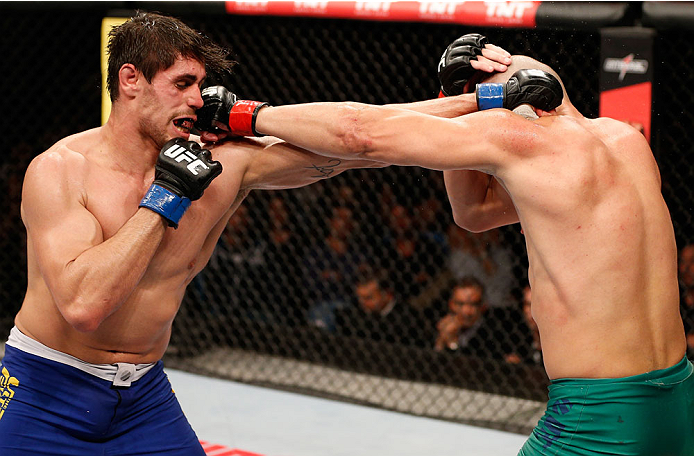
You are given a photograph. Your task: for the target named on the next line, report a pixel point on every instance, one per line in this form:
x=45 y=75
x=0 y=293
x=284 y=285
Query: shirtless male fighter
x=600 y=243
x=119 y=220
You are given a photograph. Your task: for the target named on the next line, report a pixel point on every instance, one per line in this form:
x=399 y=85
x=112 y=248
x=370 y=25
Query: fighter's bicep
x=479 y=141
x=58 y=224
x=281 y=165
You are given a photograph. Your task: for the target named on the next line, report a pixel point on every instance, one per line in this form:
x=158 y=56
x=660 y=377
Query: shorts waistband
x=120 y=374
x=674 y=374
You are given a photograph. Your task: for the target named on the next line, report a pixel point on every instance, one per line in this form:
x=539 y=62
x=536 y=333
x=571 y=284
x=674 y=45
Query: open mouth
x=185 y=124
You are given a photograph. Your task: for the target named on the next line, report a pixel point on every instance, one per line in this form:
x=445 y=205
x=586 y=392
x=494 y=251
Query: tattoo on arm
x=327 y=170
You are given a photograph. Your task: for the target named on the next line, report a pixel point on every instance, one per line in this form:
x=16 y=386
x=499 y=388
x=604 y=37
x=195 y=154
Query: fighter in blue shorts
x=119 y=220
x=106 y=267
x=53 y=403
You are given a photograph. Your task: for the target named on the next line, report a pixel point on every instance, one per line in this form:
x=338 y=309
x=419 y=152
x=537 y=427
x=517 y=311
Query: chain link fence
x=279 y=303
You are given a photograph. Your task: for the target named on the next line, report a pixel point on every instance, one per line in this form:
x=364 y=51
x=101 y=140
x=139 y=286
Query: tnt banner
x=626 y=76
x=488 y=14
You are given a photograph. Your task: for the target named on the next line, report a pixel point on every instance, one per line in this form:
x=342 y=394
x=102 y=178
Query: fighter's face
x=169 y=102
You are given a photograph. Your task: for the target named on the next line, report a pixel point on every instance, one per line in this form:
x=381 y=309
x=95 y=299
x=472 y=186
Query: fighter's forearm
x=466 y=189
x=329 y=129
x=447 y=107
x=384 y=134
x=478 y=201
x=100 y=279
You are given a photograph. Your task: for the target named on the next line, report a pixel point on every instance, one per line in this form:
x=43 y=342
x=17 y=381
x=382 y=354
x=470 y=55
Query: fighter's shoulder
x=54 y=177
x=530 y=137
x=614 y=124
x=574 y=130
x=614 y=131
x=66 y=155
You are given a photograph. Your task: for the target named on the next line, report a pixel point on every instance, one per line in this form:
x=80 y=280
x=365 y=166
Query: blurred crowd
x=373 y=265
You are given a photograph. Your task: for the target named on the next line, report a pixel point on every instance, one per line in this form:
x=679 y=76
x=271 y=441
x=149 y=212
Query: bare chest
x=184 y=250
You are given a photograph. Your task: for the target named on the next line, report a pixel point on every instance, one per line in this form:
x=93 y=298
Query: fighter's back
x=601 y=250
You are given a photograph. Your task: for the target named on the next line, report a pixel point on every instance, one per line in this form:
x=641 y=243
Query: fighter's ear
x=128 y=77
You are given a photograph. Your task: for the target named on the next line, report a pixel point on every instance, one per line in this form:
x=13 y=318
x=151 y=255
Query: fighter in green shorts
x=650 y=414
x=601 y=248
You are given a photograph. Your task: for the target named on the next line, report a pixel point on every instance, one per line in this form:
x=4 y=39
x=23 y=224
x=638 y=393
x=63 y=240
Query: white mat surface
x=278 y=423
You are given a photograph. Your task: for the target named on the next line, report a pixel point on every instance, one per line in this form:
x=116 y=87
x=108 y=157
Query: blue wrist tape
x=490 y=96
x=167 y=204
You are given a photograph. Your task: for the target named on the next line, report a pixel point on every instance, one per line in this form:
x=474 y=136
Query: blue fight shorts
x=53 y=408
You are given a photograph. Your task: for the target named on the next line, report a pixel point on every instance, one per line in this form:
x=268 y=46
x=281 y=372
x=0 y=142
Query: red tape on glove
x=242 y=117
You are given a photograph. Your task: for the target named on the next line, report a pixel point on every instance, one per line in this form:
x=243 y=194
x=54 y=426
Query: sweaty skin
x=600 y=242
x=105 y=279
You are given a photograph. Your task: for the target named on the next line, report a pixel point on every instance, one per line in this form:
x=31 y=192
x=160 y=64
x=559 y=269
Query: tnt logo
x=6 y=393
x=437 y=8
x=372 y=7
x=507 y=10
x=180 y=153
x=247 y=5
x=310 y=6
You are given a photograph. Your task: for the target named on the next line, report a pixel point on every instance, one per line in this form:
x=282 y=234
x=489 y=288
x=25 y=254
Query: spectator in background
x=238 y=259
x=429 y=215
x=501 y=282
x=378 y=315
x=417 y=255
x=283 y=292
x=331 y=267
x=278 y=222
x=469 y=327
x=528 y=348
x=686 y=279
x=482 y=255
x=247 y=270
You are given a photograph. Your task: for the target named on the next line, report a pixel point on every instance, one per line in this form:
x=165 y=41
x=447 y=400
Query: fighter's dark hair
x=152 y=42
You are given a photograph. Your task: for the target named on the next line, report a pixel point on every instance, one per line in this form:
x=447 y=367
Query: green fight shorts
x=651 y=414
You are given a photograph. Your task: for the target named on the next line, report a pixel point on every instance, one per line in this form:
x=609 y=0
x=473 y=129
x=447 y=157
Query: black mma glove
x=454 y=67
x=181 y=175
x=534 y=87
x=223 y=111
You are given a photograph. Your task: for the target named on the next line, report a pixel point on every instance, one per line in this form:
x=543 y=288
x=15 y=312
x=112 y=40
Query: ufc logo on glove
x=182 y=173
x=179 y=154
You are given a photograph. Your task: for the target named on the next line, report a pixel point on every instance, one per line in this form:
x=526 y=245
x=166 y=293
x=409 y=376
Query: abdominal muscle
x=138 y=332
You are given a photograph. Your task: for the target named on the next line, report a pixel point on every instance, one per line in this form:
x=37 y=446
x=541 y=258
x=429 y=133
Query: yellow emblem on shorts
x=6 y=393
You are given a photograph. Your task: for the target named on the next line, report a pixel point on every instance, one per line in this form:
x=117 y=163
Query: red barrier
x=484 y=14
